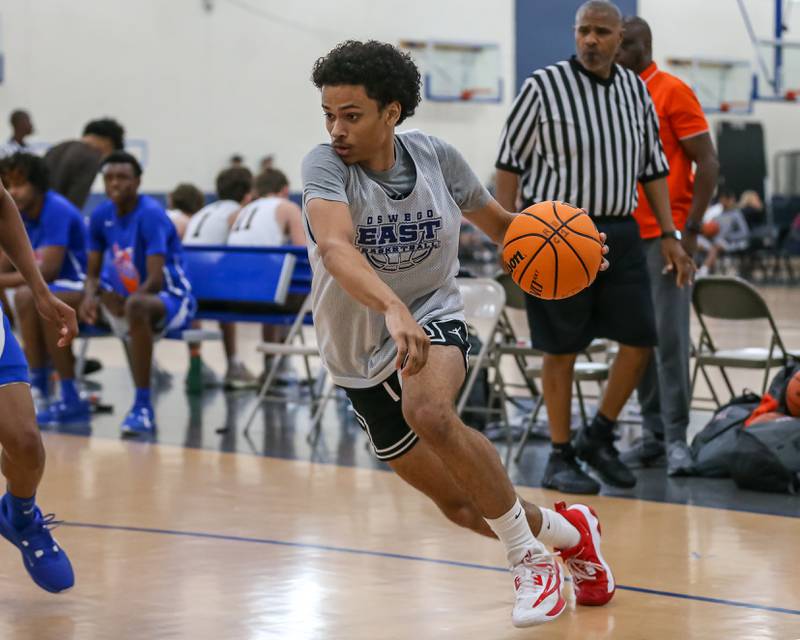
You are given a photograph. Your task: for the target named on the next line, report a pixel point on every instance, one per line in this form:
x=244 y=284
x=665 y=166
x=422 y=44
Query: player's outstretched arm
x=14 y=242
x=492 y=219
x=332 y=228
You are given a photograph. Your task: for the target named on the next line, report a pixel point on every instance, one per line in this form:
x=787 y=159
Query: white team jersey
x=257 y=225
x=210 y=224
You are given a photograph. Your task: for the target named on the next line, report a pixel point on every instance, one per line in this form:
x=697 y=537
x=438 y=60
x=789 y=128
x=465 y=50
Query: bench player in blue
x=57 y=233
x=135 y=271
x=22 y=460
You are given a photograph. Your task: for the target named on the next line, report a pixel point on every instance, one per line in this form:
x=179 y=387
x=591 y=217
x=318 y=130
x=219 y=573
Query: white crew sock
x=557 y=531
x=514 y=532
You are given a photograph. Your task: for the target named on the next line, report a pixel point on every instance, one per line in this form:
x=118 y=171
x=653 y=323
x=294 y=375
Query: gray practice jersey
x=408 y=236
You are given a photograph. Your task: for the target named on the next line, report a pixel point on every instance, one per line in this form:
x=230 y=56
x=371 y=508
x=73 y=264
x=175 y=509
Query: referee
x=584 y=131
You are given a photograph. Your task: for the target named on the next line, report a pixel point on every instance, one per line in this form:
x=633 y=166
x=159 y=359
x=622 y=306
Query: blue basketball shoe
x=140 y=421
x=45 y=561
x=62 y=412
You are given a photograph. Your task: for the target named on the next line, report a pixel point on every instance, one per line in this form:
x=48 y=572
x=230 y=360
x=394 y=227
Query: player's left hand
x=60 y=314
x=604 y=264
x=677 y=261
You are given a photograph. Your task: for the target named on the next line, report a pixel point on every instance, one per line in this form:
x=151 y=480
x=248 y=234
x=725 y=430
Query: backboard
x=721 y=84
x=458 y=71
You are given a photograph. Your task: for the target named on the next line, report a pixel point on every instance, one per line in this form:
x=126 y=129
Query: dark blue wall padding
x=544 y=32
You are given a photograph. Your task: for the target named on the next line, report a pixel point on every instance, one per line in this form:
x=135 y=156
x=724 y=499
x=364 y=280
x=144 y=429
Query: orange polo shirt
x=680 y=116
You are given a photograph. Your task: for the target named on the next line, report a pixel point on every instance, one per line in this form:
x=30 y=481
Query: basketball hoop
x=470 y=94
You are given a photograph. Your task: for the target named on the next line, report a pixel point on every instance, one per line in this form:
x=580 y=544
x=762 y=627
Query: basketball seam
x=526 y=235
x=565 y=223
x=547 y=242
x=566 y=242
x=532 y=258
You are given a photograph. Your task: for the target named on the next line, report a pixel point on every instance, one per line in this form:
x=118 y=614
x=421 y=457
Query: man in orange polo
x=664 y=390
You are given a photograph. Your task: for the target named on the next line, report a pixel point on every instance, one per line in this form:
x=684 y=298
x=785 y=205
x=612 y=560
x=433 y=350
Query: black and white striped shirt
x=576 y=137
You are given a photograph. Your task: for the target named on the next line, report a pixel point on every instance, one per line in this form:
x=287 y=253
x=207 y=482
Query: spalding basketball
x=793 y=396
x=767 y=417
x=552 y=250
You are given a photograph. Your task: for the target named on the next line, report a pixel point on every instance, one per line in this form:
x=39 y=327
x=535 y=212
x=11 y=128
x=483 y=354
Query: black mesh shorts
x=379 y=409
x=618 y=306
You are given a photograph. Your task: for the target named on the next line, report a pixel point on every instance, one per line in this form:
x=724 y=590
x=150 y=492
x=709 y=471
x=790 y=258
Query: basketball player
x=383 y=212
x=270 y=220
x=22 y=460
x=144 y=289
x=210 y=226
x=57 y=232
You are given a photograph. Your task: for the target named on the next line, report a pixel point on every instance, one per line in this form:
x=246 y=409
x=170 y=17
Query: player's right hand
x=88 y=310
x=60 y=314
x=411 y=341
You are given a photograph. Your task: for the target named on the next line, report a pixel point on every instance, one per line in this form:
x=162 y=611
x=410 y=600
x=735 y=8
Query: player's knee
x=433 y=422
x=23 y=300
x=136 y=309
x=25 y=447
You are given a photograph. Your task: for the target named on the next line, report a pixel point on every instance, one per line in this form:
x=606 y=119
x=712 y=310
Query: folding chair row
x=733 y=299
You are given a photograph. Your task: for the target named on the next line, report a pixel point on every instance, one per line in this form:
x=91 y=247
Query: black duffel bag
x=714 y=445
x=767 y=456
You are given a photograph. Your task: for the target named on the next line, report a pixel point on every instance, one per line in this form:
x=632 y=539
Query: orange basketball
x=552 y=250
x=710 y=229
x=793 y=395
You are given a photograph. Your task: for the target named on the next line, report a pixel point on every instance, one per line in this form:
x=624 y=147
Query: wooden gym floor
x=214 y=535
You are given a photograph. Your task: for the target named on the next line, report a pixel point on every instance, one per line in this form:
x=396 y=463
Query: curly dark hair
x=28 y=166
x=107 y=128
x=123 y=157
x=386 y=73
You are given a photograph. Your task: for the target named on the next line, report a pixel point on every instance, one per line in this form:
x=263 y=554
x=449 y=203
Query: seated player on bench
x=135 y=271
x=271 y=220
x=210 y=226
x=57 y=233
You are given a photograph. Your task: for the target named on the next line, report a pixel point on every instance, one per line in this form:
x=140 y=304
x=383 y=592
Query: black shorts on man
x=379 y=409
x=618 y=306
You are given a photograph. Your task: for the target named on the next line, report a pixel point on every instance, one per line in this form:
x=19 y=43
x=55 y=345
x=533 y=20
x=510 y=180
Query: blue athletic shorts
x=57 y=286
x=13 y=367
x=180 y=311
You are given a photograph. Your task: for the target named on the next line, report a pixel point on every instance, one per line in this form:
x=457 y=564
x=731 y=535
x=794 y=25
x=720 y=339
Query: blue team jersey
x=126 y=241
x=60 y=224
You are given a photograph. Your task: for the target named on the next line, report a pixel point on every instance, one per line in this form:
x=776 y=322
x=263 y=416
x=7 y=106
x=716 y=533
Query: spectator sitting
x=57 y=234
x=733 y=234
x=270 y=220
x=143 y=289
x=22 y=127
x=752 y=208
x=210 y=226
x=184 y=201
x=73 y=164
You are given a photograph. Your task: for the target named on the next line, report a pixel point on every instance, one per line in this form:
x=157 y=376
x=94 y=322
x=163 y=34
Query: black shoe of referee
x=565 y=475
x=599 y=452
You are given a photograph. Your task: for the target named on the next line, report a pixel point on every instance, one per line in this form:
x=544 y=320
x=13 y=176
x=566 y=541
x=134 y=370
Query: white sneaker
x=538 y=582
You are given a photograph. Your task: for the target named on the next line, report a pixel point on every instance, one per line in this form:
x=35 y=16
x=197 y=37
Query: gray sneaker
x=680 y=460
x=239 y=377
x=645 y=451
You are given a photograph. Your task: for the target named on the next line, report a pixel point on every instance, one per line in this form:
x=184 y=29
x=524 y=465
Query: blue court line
x=401 y=556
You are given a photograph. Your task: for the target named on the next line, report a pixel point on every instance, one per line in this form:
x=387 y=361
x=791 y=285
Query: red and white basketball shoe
x=592 y=579
x=538 y=581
